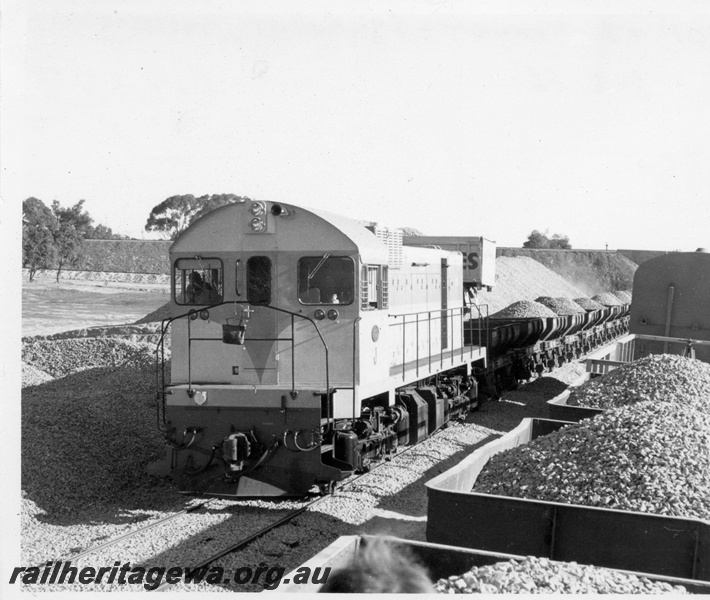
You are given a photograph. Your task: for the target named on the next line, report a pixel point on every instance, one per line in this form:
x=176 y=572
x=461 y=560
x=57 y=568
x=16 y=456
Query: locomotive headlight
x=258 y=225
x=332 y=314
x=319 y=315
x=204 y=314
x=257 y=209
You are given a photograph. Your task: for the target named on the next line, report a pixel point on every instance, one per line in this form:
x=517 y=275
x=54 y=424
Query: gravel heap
x=607 y=299
x=85 y=443
x=147 y=331
x=560 y=306
x=623 y=295
x=648 y=457
x=534 y=575
x=523 y=309
x=157 y=315
x=31 y=375
x=61 y=357
x=588 y=304
x=658 y=378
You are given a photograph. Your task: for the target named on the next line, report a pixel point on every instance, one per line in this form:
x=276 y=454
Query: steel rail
x=129 y=534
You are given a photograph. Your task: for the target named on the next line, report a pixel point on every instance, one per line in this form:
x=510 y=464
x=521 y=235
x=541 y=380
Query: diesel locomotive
x=305 y=345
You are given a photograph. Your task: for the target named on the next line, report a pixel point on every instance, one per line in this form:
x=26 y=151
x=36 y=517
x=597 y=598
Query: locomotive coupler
x=235 y=450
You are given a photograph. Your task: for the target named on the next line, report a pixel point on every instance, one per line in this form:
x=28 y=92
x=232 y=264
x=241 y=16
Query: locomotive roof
x=301 y=230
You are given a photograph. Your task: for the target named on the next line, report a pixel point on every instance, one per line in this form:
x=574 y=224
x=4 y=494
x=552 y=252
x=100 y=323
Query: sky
x=587 y=119
x=456 y=118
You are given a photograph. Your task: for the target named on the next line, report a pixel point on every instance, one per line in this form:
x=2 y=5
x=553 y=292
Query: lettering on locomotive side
x=472 y=260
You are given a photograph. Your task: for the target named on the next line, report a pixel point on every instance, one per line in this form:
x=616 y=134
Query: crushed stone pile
x=649 y=457
x=100 y=425
x=523 y=278
x=588 y=304
x=523 y=309
x=31 y=375
x=537 y=575
x=658 y=378
x=623 y=295
x=561 y=306
x=148 y=332
x=592 y=271
x=61 y=357
x=607 y=299
x=157 y=315
x=92 y=400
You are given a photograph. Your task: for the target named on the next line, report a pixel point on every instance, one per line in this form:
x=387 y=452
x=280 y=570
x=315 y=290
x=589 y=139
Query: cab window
x=198 y=281
x=326 y=279
x=259 y=280
x=374 y=292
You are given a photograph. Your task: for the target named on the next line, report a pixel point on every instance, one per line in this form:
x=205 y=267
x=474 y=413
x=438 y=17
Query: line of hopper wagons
x=521 y=348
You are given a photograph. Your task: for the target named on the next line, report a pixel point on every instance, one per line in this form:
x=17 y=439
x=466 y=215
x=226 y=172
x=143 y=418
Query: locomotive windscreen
x=326 y=279
x=198 y=281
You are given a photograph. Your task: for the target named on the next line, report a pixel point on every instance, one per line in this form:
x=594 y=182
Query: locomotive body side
x=285 y=328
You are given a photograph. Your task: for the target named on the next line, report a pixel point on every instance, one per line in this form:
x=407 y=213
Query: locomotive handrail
x=441 y=314
x=194 y=311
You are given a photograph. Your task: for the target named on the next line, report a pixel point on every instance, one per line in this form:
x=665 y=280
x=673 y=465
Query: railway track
x=234 y=547
x=135 y=532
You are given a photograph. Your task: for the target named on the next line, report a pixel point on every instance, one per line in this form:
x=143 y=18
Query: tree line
x=53 y=236
x=541 y=240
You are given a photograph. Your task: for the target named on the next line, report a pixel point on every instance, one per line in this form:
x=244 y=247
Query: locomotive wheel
x=326 y=489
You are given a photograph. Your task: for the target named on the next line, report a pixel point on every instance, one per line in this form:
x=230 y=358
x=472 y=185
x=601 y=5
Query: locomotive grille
x=392 y=238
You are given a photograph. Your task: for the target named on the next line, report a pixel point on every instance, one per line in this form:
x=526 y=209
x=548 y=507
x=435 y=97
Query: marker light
x=332 y=314
x=258 y=225
x=319 y=315
x=257 y=209
x=204 y=314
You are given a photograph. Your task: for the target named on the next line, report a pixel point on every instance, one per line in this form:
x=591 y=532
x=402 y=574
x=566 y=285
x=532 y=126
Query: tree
x=39 y=226
x=561 y=242
x=172 y=216
x=540 y=240
x=73 y=225
x=537 y=240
